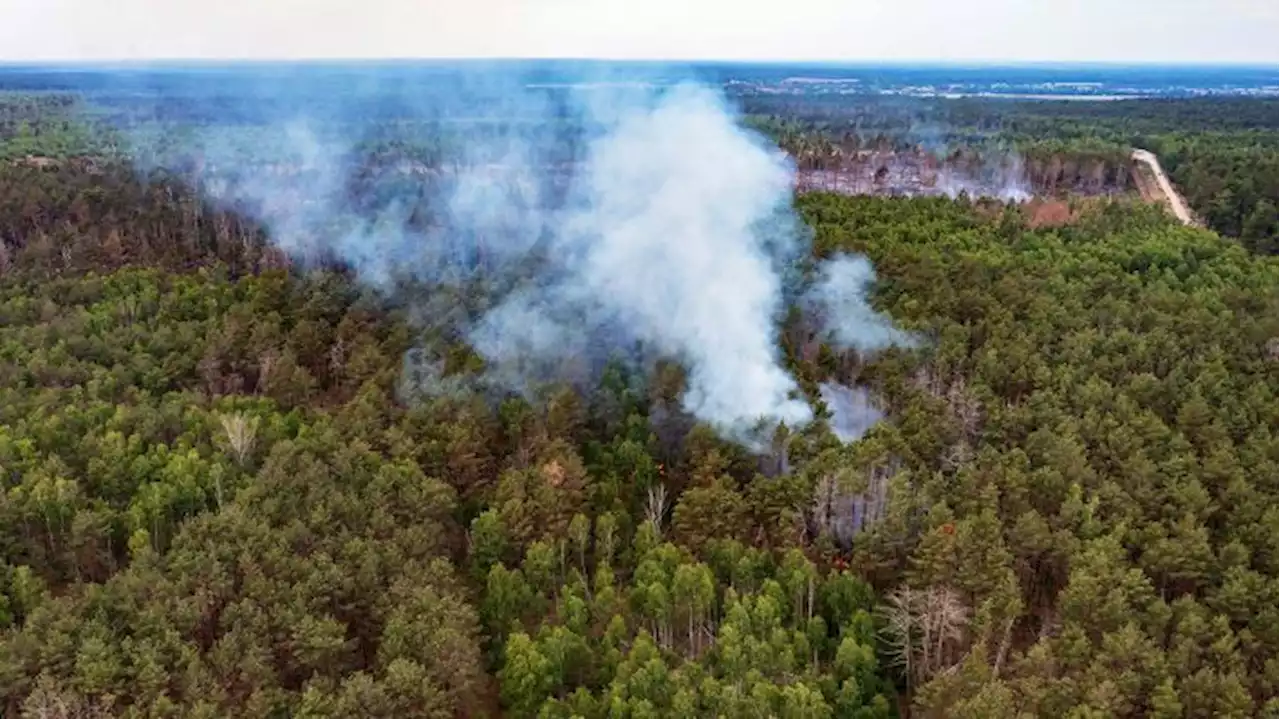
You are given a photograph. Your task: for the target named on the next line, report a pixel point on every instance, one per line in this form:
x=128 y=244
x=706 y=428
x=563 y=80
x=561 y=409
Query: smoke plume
x=643 y=223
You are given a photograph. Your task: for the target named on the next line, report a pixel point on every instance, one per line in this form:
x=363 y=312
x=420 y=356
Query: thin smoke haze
x=853 y=412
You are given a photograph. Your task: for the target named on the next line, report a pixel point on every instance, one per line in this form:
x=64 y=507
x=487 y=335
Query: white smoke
x=1003 y=177
x=672 y=244
x=667 y=234
x=839 y=298
x=665 y=244
x=853 y=412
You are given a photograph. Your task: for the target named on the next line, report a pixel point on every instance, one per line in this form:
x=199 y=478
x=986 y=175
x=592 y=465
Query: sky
x=1184 y=31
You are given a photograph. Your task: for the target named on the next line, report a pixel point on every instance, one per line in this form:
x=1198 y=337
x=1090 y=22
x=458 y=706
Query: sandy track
x=1175 y=201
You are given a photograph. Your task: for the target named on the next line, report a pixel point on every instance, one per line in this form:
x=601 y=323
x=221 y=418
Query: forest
x=1220 y=152
x=222 y=495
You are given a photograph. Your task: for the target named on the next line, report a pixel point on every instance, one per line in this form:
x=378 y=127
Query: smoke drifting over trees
x=838 y=298
x=624 y=223
x=852 y=410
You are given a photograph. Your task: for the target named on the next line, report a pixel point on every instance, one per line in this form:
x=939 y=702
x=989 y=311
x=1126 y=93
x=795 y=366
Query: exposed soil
x=1049 y=213
x=1155 y=186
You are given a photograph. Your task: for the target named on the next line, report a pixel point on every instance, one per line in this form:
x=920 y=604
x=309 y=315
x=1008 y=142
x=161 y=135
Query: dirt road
x=1176 y=203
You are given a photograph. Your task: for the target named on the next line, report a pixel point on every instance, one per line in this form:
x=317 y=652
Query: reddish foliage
x=1048 y=213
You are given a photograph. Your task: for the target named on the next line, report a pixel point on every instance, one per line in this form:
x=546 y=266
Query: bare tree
x=925 y=631
x=965 y=407
x=823 y=511
x=900 y=632
x=656 y=508
x=241 y=432
x=926 y=379
x=337 y=357
x=266 y=364
x=849 y=499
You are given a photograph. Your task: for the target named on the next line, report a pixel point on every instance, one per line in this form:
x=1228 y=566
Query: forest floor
x=1169 y=194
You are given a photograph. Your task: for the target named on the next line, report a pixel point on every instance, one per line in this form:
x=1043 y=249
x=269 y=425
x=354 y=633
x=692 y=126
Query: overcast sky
x=997 y=30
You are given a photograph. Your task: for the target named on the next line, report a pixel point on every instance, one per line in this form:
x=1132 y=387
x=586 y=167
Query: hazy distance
x=1164 y=31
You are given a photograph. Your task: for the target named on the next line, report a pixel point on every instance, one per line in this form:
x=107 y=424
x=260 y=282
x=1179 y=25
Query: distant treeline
x=1220 y=152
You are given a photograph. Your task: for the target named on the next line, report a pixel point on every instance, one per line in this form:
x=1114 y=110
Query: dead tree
x=925 y=631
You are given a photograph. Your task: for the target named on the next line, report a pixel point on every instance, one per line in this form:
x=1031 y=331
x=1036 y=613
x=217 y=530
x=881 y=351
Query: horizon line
x=846 y=62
